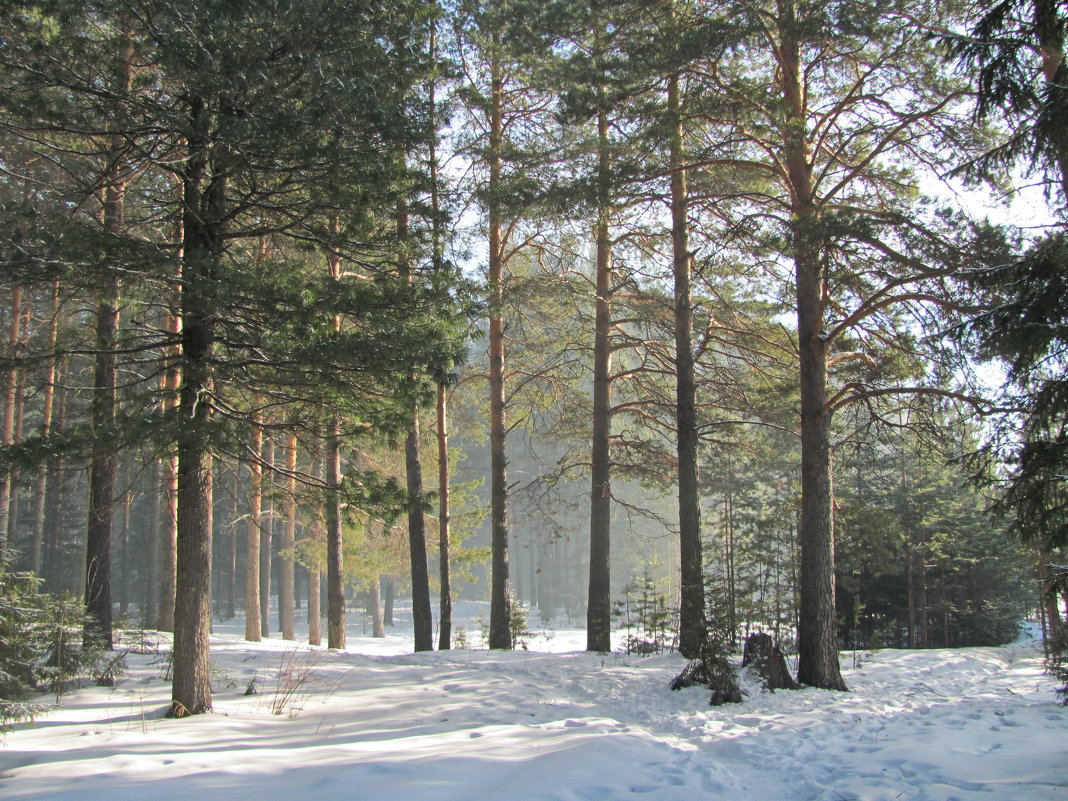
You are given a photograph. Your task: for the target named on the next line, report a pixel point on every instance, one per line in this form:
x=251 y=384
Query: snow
x=552 y=724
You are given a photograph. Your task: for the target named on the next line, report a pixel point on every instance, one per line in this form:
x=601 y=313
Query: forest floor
x=554 y=724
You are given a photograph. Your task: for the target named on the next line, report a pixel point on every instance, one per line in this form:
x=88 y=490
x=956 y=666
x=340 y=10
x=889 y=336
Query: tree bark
x=500 y=632
x=817 y=634
x=47 y=402
x=599 y=606
x=7 y=421
x=172 y=378
x=151 y=578
x=253 y=626
x=204 y=213
x=51 y=558
x=286 y=611
x=378 y=627
x=692 y=585
x=231 y=559
x=1048 y=599
x=266 y=538
x=444 y=555
x=103 y=457
x=391 y=591
x=421 y=617
x=335 y=588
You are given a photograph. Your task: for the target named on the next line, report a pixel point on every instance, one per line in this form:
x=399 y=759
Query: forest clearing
x=395 y=398
x=550 y=724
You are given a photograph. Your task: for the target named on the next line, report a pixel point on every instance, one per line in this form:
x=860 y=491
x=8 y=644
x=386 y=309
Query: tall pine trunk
x=692 y=586
x=817 y=634
x=204 y=212
x=102 y=457
x=266 y=538
x=44 y=472
x=500 y=632
x=335 y=587
x=286 y=609
x=253 y=626
x=444 y=555
x=421 y=617
x=599 y=607
x=7 y=421
x=172 y=378
x=422 y=620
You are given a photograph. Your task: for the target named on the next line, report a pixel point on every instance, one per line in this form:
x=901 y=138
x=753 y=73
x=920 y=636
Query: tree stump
x=713 y=670
x=763 y=656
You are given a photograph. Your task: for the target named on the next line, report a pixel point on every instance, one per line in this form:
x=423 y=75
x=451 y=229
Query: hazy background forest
x=677 y=317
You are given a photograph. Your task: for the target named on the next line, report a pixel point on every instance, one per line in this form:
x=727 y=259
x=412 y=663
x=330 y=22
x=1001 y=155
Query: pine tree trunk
x=202 y=245
x=499 y=633
x=51 y=562
x=231 y=564
x=378 y=627
x=391 y=593
x=335 y=590
x=47 y=401
x=102 y=458
x=599 y=606
x=1048 y=590
x=19 y=432
x=124 y=542
x=253 y=626
x=817 y=634
x=266 y=538
x=422 y=619
x=169 y=533
x=421 y=616
x=315 y=613
x=444 y=556
x=7 y=421
x=925 y=615
x=151 y=578
x=692 y=585
x=286 y=609
x=204 y=213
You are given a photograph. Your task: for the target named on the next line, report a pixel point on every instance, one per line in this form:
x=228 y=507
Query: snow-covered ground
x=556 y=724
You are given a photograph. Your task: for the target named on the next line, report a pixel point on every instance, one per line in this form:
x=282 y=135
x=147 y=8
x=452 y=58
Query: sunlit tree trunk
x=253 y=626
x=286 y=610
